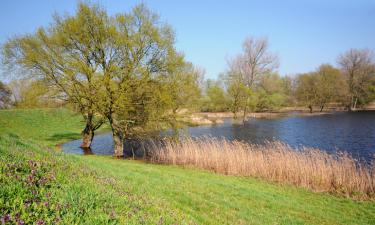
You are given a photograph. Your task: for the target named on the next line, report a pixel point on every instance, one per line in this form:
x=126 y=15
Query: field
x=44 y=186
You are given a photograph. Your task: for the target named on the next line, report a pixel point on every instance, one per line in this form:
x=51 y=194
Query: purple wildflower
x=40 y=222
x=7 y=218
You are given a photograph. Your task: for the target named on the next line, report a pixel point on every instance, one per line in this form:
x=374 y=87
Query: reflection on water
x=351 y=132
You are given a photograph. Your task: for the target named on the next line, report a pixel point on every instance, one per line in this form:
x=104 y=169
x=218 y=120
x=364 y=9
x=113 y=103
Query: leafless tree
x=358 y=66
x=247 y=68
x=256 y=60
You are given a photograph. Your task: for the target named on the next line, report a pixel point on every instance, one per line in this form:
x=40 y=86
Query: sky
x=304 y=34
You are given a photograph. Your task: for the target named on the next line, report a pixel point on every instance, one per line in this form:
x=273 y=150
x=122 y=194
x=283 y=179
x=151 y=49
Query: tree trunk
x=87 y=136
x=244 y=114
x=118 y=138
x=311 y=109
x=355 y=103
x=118 y=143
x=321 y=108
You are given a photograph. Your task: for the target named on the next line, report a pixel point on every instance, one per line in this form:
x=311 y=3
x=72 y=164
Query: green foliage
x=319 y=88
x=183 y=87
x=238 y=95
x=216 y=99
x=122 y=68
x=306 y=91
x=271 y=92
x=29 y=93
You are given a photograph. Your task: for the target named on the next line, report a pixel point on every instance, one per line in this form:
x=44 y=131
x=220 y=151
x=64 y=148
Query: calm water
x=344 y=131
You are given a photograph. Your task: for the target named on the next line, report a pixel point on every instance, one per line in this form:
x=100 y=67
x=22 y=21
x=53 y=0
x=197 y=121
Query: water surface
x=353 y=132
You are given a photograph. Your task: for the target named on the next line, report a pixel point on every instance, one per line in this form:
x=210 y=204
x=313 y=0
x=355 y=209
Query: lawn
x=99 y=190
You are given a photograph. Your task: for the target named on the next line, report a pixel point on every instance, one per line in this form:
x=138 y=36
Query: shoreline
x=211 y=118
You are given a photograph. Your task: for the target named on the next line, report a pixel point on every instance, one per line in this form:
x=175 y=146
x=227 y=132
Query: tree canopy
x=115 y=68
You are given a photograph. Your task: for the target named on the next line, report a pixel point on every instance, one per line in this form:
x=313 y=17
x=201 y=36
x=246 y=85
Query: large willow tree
x=113 y=68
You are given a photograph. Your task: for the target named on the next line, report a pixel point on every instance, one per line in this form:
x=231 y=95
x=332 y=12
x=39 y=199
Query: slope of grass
x=46 y=126
x=102 y=190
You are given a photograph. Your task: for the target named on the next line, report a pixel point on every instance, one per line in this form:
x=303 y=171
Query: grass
x=275 y=161
x=102 y=190
x=45 y=126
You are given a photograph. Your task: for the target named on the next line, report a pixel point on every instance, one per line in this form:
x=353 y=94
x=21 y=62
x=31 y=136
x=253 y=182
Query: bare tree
x=359 y=69
x=255 y=61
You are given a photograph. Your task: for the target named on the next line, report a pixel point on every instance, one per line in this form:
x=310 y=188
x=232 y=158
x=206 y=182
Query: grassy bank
x=51 y=187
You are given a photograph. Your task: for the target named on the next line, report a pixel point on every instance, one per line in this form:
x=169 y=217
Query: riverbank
x=210 y=118
x=102 y=190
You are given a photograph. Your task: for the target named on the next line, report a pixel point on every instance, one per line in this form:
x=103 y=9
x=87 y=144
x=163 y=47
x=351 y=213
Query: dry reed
x=275 y=161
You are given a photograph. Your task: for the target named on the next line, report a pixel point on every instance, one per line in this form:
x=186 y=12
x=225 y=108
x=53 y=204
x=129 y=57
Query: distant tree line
x=251 y=83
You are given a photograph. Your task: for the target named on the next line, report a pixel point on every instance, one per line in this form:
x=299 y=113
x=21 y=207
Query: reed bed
x=275 y=161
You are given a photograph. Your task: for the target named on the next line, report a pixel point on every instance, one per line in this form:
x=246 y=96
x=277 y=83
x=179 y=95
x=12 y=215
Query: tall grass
x=275 y=161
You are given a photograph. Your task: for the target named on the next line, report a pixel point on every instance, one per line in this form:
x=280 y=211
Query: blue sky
x=303 y=33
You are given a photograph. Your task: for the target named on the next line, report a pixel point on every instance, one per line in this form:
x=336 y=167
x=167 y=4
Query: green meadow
x=40 y=185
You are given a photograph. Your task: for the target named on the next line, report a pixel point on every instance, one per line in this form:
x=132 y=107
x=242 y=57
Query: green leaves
x=111 y=67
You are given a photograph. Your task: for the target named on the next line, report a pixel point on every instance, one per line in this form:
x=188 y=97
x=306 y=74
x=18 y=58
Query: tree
x=29 y=93
x=271 y=93
x=248 y=67
x=288 y=86
x=320 y=87
x=111 y=68
x=238 y=94
x=330 y=85
x=64 y=56
x=183 y=85
x=306 y=91
x=359 y=69
x=5 y=96
x=135 y=57
x=216 y=97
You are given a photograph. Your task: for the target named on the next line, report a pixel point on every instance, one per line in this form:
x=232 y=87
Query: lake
x=353 y=132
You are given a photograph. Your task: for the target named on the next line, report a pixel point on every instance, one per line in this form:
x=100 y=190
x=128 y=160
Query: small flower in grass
x=31 y=163
x=42 y=181
x=46 y=204
x=27 y=203
x=57 y=219
x=40 y=222
x=6 y=218
x=30 y=179
x=21 y=222
x=58 y=206
x=112 y=215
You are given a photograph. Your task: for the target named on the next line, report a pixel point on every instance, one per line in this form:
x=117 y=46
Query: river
x=353 y=132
